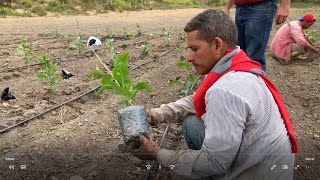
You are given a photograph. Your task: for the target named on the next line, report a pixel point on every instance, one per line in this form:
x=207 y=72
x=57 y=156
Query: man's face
x=201 y=54
x=307 y=24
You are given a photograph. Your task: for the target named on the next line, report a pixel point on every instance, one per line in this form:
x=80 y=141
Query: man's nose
x=190 y=56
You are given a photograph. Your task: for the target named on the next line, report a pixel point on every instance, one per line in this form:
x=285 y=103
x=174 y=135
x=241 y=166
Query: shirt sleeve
x=175 y=111
x=225 y=119
x=298 y=35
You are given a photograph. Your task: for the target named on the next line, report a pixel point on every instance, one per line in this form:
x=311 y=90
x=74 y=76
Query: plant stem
x=104 y=65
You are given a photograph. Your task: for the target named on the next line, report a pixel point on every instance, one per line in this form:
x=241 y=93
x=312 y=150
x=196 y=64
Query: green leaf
x=120 y=71
x=107 y=80
x=73 y=46
x=183 y=64
x=40 y=71
x=20 y=51
x=95 y=73
x=175 y=82
x=52 y=69
x=43 y=77
x=143 y=86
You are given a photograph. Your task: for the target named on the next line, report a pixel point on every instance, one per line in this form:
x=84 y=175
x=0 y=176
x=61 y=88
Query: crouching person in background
x=236 y=125
x=291 y=42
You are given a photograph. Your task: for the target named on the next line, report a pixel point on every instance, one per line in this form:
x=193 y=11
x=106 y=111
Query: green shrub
x=39 y=10
x=4 y=11
x=26 y=3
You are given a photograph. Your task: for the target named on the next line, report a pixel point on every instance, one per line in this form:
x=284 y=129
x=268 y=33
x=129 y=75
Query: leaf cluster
x=118 y=80
x=186 y=85
x=46 y=72
x=110 y=46
x=25 y=50
x=78 y=46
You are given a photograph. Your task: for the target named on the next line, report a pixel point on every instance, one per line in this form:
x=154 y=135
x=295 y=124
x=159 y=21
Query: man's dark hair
x=214 y=23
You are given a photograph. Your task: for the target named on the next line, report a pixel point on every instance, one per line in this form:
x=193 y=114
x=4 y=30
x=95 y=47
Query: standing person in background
x=254 y=20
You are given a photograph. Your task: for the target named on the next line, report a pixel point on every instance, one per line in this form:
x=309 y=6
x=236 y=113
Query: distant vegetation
x=72 y=7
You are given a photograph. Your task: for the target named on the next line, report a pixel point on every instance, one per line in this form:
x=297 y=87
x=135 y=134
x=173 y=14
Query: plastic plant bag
x=133 y=122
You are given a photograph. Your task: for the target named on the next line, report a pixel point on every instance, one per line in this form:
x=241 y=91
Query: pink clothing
x=281 y=44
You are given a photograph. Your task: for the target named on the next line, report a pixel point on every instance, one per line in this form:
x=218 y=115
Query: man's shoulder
x=238 y=81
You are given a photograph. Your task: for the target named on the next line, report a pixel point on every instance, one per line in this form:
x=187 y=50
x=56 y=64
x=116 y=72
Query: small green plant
x=186 y=85
x=66 y=39
x=167 y=35
x=55 y=35
x=5 y=11
x=25 y=50
x=133 y=37
x=183 y=36
x=78 y=46
x=110 y=46
x=46 y=72
x=125 y=32
x=138 y=30
x=118 y=80
x=145 y=48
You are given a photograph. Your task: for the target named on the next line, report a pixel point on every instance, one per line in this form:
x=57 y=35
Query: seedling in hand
x=118 y=80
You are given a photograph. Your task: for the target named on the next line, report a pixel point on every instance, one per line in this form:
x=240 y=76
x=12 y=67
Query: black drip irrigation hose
x=51 y=109
x=153 y=163
x=75 y=98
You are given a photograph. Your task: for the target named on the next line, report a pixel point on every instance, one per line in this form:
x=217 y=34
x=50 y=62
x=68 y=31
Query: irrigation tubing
x=51 y=109
x=153 y=163
x=71 y=100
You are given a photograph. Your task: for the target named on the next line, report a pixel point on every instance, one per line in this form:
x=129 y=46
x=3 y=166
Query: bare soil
x=83 y=137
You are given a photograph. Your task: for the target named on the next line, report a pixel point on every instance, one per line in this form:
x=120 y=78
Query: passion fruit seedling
x=186 y=85
x=46 y=72
x=118 y=80
x=25 y=50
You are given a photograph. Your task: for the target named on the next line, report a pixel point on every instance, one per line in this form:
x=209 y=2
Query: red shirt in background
x=246 y=2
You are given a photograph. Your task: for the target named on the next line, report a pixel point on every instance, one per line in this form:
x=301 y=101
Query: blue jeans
x=193 y=130
x=254 y=23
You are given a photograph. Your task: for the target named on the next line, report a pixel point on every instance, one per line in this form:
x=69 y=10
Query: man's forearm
x=285 y=3
x=230 y=4
x=312 y=48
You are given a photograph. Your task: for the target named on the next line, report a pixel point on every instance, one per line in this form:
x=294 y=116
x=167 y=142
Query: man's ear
x=217 y=44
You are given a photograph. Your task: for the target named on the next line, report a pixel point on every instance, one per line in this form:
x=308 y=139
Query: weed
x=55 y=35
x=4 y=11
x=25 y=50
x=46 y=72
x=26 y=3
x=39 y=10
